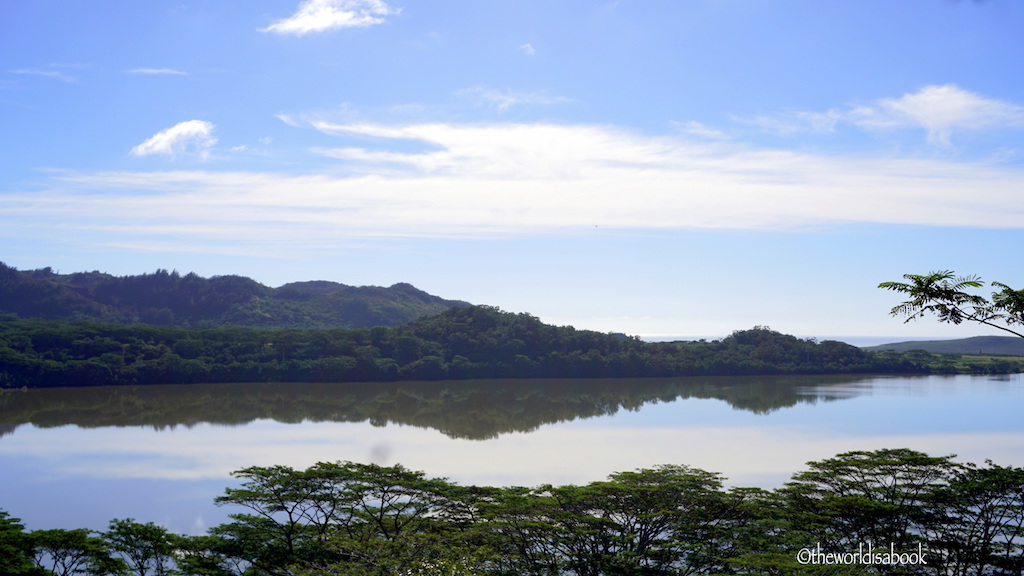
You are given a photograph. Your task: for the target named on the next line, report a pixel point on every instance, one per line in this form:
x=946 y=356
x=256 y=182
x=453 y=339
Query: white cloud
x=528 y=49
x=510 y=179
x=938 y=110
x=157 y=71
x=502 y=100
x=196 y=135
x=321 y=15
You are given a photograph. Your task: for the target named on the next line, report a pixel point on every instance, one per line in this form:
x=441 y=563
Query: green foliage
x=15 y=547
x=146 y=549
x=977 y=519
x=207 y=555
x=666 y=520
x=343 y=518
x=944 y=295
x=71 y=552
x=473 y=342
x=443 y=567
x=169 y=299
x=877 y=497
x=347 y=519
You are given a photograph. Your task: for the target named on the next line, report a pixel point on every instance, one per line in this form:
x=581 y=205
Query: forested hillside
x=461 y=343
x=169 y=299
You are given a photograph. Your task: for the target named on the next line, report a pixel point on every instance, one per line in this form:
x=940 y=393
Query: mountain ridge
x=165 y=298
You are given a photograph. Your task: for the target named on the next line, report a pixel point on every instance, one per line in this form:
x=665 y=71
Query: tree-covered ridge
x=939 y=516
x=474 y=342
x=170 y=299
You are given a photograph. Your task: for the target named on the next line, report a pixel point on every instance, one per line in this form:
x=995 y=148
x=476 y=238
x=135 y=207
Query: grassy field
x=982 y=364
x=980 y=346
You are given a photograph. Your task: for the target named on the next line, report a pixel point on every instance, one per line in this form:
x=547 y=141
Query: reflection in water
x=469 y=409
x=79 y=457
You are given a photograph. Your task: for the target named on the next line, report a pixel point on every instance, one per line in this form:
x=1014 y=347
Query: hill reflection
x=468 y=409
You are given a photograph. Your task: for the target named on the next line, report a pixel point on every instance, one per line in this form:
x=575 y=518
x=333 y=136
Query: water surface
x=81 y=456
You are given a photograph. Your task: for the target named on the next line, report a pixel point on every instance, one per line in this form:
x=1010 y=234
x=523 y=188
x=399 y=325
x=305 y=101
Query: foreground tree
x=977 y=521
x=349 y=519
x=74 y=552
x=944 y=294
x=15 y=547
x=875 y=496
x=343 y=518
x=146 y=549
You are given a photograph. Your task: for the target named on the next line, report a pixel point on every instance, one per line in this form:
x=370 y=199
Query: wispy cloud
x=938 y=110
x=157 y=71
x=528 y=49
x=321 y=15
x=797 y=122
x=515 y=179
x=194 y=135
x=503 y=99
x=288 y=119
x=701 y=130
x=46 y=73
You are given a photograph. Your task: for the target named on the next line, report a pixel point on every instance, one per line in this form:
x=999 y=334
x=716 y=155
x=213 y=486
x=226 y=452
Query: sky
x=661 y=168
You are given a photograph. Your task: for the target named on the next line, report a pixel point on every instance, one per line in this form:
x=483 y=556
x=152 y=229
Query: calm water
x=80 y=457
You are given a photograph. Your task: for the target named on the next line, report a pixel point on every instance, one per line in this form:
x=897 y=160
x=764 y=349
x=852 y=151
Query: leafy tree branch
x=944 y=294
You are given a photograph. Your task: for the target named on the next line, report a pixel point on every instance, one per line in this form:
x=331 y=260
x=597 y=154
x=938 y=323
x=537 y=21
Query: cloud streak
x=45 y=73
x=322 y=15
x=502 y=100
x=157 y=72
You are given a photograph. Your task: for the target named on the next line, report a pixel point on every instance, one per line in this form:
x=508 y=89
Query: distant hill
x=169 y=299
x=980 y=345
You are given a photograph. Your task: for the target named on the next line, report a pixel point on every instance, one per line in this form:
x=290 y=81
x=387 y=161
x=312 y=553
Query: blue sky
x=661 y=168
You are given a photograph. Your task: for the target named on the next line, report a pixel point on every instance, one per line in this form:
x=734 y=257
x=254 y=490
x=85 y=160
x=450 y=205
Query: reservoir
x=79 y=457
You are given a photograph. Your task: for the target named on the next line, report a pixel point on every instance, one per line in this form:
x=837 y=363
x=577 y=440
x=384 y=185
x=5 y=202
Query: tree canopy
x=348 y=519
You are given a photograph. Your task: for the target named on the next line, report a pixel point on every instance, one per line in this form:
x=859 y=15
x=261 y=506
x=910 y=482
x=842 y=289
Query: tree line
x=346 y=518
x=462 y=343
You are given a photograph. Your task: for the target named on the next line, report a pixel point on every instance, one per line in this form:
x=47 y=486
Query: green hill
x=169 y=299
x=980 y=345
x=472 y=342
